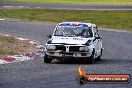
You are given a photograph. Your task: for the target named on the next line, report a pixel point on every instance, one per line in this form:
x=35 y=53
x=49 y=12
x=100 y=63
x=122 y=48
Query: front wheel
x=47 y=59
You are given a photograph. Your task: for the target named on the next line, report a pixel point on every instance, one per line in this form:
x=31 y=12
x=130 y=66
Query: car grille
x=58 y=47
x=74 y=48
x=71 y=48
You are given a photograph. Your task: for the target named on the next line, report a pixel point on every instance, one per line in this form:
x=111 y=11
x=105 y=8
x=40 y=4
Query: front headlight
x=51 y=47
x=84 y=48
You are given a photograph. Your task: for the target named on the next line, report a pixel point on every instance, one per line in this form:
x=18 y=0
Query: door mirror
x=97 y=37
x=97 y=30
x=49 y=36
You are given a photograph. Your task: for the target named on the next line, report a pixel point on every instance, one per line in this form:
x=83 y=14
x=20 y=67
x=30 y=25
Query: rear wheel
x=92 y=58
x=47 y=59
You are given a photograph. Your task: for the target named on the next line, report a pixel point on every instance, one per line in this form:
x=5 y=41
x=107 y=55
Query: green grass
x=119 y=2
x=109 y=19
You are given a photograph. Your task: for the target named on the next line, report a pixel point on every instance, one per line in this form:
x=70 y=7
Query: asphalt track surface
x=116 y=59
x=67 y=6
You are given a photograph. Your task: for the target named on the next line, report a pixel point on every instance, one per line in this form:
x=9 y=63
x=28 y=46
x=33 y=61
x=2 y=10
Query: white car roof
x=77 y=24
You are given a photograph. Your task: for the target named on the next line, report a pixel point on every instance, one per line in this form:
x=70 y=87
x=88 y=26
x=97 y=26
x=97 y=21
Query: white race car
x=72 y=41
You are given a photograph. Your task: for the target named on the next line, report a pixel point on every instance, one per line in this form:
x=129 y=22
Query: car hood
x=68 y=40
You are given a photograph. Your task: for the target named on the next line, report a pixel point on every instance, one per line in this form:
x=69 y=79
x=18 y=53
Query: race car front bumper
x=59 y=54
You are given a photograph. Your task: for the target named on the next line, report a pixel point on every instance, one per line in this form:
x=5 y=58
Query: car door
x=97 y=42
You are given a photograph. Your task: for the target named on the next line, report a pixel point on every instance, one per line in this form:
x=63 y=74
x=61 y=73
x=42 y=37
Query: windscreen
x=73 y=32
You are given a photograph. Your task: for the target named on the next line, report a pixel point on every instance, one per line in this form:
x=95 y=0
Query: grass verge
x=12 y=46
x=116 y=2
x=109 y=19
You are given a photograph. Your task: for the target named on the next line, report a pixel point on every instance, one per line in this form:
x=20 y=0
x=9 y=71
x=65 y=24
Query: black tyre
x=92 y=57
x=47 y=59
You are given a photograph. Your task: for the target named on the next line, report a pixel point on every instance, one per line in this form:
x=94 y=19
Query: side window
x=90 y=32
x=96 y=32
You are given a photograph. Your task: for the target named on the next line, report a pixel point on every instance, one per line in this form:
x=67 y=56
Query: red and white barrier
x=26 y=57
